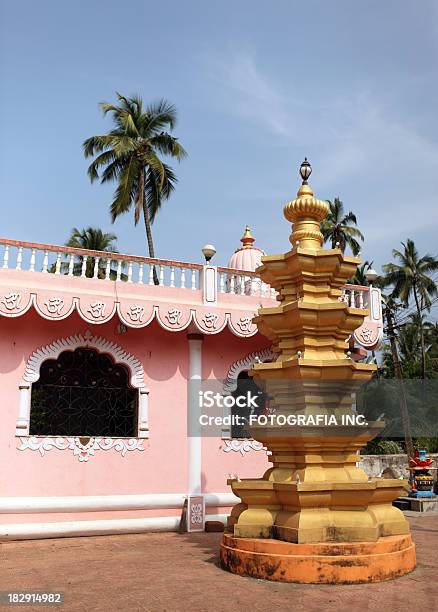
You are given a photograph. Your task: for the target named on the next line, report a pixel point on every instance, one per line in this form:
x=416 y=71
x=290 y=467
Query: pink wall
x=219 y=353
x=162 y=466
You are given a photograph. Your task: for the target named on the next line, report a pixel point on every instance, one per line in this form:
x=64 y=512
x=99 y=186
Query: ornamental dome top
x=306 y=212
x=247 y=257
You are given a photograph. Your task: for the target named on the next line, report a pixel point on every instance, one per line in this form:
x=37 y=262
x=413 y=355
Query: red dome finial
x=247 y=238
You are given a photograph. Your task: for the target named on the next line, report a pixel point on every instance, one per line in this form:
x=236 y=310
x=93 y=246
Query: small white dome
x=247 y=257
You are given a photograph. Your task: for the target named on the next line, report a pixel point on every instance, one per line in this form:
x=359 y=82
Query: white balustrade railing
x=242 y=283
x=33 y=257
x=356 y=296
x=100 y=265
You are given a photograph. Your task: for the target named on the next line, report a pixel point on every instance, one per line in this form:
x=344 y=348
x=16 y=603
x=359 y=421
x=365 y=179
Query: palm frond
x=126 y=189
x=156 y=192
x=168 y=145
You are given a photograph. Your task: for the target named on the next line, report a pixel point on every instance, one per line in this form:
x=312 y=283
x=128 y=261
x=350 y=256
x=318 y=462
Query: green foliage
x=92 y=239
x=410 y=278
x=380 y=400
x=431 y=444
x=383 y=447
x=408 y=339
x=341 y=228
x=359 y=277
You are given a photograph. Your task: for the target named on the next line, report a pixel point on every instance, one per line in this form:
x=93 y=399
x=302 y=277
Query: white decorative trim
x=210 y=320
x=242 y=446
x=174 y=316
x=245 y=363
x=136 y=313
x=102 y=310
x=97 y=309
x=54 y=305
x=245 y=323
x=53 y=350
x=11 y=301
x=82 y=451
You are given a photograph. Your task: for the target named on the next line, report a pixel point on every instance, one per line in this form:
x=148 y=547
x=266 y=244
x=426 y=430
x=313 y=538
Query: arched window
x=246 y=385
x=83 y=393
x=237 y=374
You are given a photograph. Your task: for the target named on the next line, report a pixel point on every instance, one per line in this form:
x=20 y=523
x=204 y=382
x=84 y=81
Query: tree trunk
x=420 y=323
x=147 y=223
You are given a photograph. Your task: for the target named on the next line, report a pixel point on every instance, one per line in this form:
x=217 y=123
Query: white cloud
x=355 y=140
x=256 y=98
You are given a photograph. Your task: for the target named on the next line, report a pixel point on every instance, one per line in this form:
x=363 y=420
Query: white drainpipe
x=105 y=503
x=71 y=529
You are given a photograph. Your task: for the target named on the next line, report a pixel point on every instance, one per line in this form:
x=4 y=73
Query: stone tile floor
x=168 y=572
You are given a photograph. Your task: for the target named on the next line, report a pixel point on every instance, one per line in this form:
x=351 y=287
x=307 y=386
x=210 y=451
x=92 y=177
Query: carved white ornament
x=243 y=364
x=174 y=316
x=136 y=313
x=242 y=446
x=82 y=450
x=196 y=513
x=54 y=305
x=53 y=350
x=366 y=334
x=97 y=309
x=244 y=323
x=210 y=320
x=12 y=301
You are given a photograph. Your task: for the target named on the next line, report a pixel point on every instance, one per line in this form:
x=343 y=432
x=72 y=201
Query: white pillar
x=22 y=425
x=209 y=285
x=194 y=411
x=143 y=409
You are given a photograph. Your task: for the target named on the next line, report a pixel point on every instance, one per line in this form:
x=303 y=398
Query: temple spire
x=247 y=238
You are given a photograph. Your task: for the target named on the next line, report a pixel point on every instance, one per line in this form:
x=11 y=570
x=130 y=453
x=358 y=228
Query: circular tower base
x=325 y=563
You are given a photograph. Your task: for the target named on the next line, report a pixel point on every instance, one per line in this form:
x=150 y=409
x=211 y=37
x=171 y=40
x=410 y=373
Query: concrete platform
x=418 y=504
x=327 y=563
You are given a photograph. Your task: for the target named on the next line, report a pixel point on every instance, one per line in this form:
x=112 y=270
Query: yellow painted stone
x=314 y=492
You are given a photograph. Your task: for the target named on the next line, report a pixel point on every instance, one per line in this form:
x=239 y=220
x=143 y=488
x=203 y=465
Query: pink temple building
x=95 y=373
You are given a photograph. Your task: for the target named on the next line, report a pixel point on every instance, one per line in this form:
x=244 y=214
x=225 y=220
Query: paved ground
x=168 y=572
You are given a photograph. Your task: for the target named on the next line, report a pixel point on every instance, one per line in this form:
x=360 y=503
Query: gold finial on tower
x=247 y=238
x=306 y=213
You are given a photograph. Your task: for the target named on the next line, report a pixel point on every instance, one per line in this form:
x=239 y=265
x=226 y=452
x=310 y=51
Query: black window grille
x=245 y=384
x=83 y=393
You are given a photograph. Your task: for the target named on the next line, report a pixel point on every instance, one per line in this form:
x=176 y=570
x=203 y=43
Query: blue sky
x=353 y=86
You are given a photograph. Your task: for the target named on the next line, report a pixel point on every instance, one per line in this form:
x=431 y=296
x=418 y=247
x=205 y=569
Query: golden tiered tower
x=314 y=516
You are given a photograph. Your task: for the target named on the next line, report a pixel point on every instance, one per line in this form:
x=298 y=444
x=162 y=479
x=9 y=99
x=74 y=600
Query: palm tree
x=360 y=277
x=131 y=155
x=93 y=239
x=410 y=278
x=409 y=343
x=339 y=227
x=431 y=335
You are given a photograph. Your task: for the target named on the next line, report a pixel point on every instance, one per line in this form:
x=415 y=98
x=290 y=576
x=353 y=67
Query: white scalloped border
x=228 y=319
x=54 y=349
x=245 y=363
